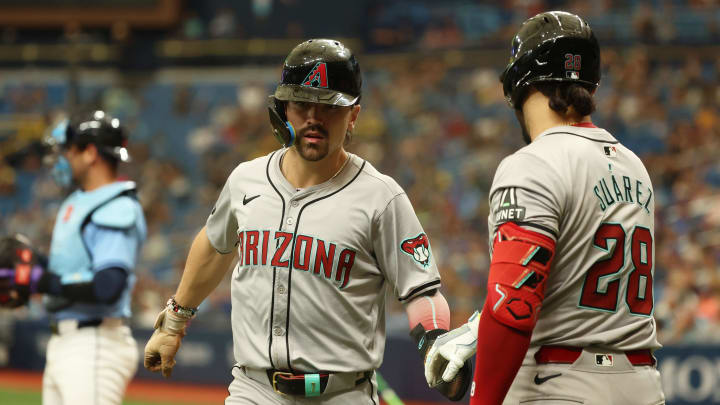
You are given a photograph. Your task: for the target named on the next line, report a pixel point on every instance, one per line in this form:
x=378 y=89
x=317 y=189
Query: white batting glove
x=164 y=343
x=450 y=351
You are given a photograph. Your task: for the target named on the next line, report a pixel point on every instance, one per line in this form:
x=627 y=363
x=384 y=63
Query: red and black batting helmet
x=321 y=71
x=554 y=46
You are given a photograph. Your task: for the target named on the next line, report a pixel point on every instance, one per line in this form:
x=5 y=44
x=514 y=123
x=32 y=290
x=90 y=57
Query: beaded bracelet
x=184 y=312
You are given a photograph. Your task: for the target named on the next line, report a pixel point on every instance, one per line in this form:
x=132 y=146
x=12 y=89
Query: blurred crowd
x=428 y=24
x=440 y=131
x=440 y=128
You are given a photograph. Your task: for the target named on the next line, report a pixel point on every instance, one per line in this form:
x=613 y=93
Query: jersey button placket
x=279 y=349
x=281 y=290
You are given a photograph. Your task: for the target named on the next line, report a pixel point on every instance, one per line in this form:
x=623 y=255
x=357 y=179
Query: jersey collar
x=341 y=179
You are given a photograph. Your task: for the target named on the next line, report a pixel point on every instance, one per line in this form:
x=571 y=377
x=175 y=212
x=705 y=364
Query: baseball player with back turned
x=98 y=232
x=319 y=235
x=568 y=315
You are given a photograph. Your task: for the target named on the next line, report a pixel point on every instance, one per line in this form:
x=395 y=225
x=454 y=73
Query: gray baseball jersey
x=594 y=197
x=308 y=292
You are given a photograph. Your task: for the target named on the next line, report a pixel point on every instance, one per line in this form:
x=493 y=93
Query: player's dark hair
x=565 y=95
x=112 y=161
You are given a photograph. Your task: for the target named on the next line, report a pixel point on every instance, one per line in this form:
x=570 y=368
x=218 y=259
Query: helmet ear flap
x=282 y=128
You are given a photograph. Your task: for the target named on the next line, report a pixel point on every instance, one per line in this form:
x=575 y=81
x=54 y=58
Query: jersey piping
x=292 y=253
x=272 y=296
x=582 y=136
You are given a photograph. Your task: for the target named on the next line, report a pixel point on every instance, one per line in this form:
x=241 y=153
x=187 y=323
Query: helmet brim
x=295 y=92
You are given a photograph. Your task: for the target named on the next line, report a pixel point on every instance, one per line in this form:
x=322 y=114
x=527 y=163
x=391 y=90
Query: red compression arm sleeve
x=432 y=312
x=500 y=353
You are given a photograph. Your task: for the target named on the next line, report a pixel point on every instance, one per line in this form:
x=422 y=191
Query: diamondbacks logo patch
x=417 y=247
x=509 y=210
x=317 y=76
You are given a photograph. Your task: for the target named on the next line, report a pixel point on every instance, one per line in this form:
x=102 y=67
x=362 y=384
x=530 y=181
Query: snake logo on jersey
x=417 y=247
x=314 y=255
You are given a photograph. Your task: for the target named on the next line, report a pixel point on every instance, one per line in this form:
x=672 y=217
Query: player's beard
x=312 y=151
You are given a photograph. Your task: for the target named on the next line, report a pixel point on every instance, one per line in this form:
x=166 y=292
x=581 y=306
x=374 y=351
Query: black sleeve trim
x=533 y=225
x=419 y=289
x=221 y=252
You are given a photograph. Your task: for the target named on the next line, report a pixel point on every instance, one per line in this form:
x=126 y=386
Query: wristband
x=185 y=312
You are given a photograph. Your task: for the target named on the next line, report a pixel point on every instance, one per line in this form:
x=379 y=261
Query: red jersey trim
x=584 y=125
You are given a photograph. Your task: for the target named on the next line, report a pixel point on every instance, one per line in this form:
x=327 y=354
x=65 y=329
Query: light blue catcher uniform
x=91 y=355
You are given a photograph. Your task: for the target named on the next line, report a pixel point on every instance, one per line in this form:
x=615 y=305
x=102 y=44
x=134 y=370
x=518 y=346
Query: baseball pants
x=247 y=391
x=89 y=365
x=587 y=382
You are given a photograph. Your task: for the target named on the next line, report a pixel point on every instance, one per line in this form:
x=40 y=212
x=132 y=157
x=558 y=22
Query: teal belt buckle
x=312 y=385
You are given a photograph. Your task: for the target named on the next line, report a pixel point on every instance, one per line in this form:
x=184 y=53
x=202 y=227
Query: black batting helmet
x=316 y=71
x=554 y=46
x=98 y=128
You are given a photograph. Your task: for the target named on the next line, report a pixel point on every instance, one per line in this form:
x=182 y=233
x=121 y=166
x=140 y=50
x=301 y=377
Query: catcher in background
x=98 y=232
x=568 y=315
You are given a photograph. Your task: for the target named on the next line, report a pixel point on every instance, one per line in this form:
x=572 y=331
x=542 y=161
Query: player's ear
x=354 y=112
x=90 y=153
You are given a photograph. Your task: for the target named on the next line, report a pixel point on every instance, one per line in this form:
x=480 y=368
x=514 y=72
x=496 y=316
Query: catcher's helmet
x=554 y=46
x=316 y=71
x=96 y=127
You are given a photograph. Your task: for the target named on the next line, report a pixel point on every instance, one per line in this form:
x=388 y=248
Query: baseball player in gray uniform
x=568 y=316
x=318 y=234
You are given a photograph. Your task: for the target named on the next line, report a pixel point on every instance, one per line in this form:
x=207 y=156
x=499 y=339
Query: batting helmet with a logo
x=316 y=71
x=554 y=46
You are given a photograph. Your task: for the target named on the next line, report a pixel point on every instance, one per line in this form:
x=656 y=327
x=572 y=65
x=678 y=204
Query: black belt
x=306 y=385
x=81 y=324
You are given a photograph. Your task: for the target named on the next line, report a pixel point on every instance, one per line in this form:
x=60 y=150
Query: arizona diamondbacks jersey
x=593 y=196
x=308 y=293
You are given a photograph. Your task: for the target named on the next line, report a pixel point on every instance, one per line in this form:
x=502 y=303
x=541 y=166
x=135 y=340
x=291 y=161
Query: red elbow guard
x=518 y=275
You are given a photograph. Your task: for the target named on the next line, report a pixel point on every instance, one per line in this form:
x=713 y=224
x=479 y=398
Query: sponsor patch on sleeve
x=509 y=210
